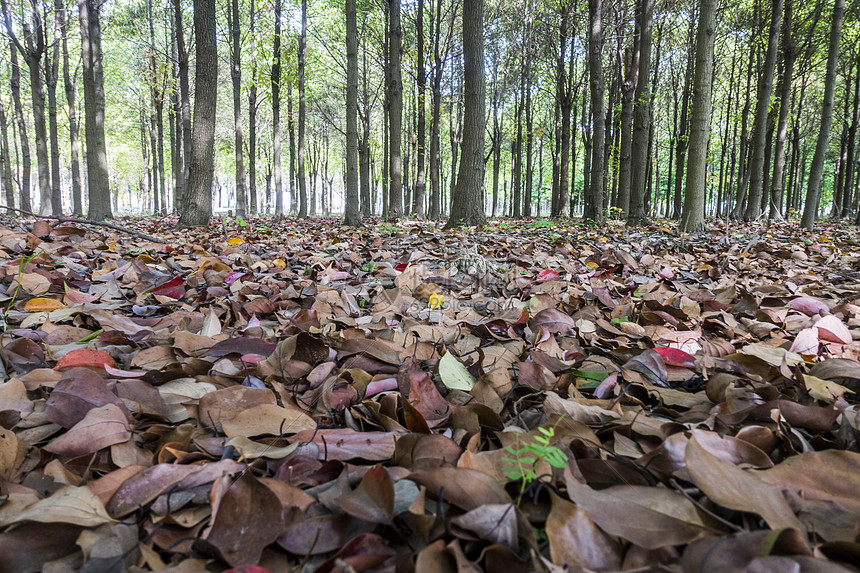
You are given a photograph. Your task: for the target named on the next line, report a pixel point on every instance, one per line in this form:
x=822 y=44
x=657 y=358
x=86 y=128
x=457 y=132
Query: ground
x=524 y=396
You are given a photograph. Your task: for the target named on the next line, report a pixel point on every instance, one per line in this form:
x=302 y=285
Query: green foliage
x=541 y=224
x=525 y=460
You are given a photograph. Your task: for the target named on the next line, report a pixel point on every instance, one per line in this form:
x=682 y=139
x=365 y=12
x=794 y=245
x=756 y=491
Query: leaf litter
x=299 y=396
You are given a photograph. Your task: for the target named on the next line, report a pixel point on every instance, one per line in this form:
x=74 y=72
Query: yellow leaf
x=235 y=241
x=279 y=263
x=435 y=301
x=42 y=305
x=591 y=264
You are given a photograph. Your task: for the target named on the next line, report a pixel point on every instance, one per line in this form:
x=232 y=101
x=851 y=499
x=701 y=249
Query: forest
x=628 y=110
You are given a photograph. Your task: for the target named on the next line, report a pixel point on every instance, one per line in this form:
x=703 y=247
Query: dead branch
x=63 y=219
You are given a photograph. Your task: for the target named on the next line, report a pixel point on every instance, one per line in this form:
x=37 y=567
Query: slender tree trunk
x=52 y=73
x=364 y=148
x=693 y=215
x=5 y=160
x=642 y=127
x=184 y=102
x=816 y=169
x=159 y=118
x=528 y=194
x=395 y=107
x=594 y=197
x=276 y=114
x=15 y=86
x=630 y=60
x=197 y=206
x=352 y=208
x=252 y=122
x=467 y=204
x=852 y=138
x=743 y=177
x=291 y=129
x=681 y=140
x=98 y=186
x=435 y=122
x=760 y=123
x=789 y=56
x=300 y=155
x=421 y=85
x=238 y=126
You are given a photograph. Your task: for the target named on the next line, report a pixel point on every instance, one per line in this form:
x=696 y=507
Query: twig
x=63 y=219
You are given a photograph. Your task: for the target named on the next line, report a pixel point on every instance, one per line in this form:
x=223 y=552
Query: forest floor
x=528 y=396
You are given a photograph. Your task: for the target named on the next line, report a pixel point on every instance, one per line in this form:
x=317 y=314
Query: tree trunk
x=852 y=138
x=594 y=197
x=5 y=160
x=291 y=129
x=238 y=127
x=15 y=86
x=364 y=149
x=435 y=121
x=395 y=111
x=642 y=117
x=184 y=102
x=300 y=155
x=693 y=215
x=197 y=206
x=816 y=169
x=682 y=139
x=762 y=107
x=789 y=56
x=467 y=205
x=421 y=85
x=98 y=186
x=743 y=178
x=630 y=60
x=352 y=207
x=52 y=74
x=276 y=113
x=252 y=123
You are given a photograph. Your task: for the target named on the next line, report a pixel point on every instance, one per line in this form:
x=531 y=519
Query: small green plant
x=21 y=266
x=525 y=460
x=616 y=213
x=541 y=224
x=388 y=228
x=241 y=222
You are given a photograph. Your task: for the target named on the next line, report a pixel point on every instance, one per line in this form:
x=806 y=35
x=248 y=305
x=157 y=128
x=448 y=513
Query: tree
x=395 y=111
x=789 y=54
x=276 y=112
x=184 y=103
x=353 y=209
x=15 y=87
x=33 y=50
x=693 y=215
x=197 y=207
x=98 y=187
x=236 y=77
x=467 y=201
x=594 y=196
x=816 y=169
x=762 y=108
x=303 y=48
x=421 y=85
x=70 y=88
x=641 y=117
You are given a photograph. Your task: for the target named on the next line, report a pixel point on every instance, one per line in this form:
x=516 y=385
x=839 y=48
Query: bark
x=852 y=138
x=743 y=165
x=630 y=61
x=364 y=148
x=816 y=168
x=291 y=129
x=594 y=197
x=421 y=85
x=395 y=111
x=467 y=205
x=52 y=73
x=276 y=113
x=15 y=86
x=5 y=159
x=642 y=128
x=682 y=139
x=762 y=107
x=252 y=123
x=32 y=51
x=197 y=207
x=693 y=215
x=98 y=186
x=784 y=93
x=184 y=103
x=435 y=114
x=352 y=216
x=300 y=153
x=238 y=128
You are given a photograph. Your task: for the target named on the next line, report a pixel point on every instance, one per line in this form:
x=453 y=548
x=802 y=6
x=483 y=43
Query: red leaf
x=547 y=275
x=676 y=357
x=85 y=357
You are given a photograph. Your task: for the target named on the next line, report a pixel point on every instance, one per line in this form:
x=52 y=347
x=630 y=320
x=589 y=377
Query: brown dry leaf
x=268 y=419
x=831 y=475
x=652 y=517
x=247 y=519
x=100 y=428
x=373 y=499
x=730 y=486
x=69 y=504
x=575 y=540
x=465 y=488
